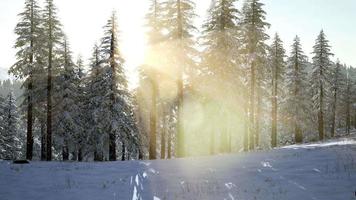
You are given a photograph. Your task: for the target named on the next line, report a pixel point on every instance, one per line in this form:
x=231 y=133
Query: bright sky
x=83 y=21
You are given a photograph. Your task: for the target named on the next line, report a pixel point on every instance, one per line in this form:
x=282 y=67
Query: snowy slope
x=315 y=171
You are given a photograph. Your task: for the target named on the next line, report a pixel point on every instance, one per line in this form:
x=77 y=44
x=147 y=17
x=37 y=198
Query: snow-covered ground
x=301 y=172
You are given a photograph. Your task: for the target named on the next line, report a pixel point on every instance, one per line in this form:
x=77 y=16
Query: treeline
x=70 y=113
x=226 y=90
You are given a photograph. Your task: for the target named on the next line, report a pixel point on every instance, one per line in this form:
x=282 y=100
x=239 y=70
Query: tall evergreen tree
x=155 y=35
x=180 y=26
x=320 y=77
x=53 y=38
x=297 y=102
x=278 y=65
x=94 y=96
x=28 y=43
x=253 y=28
x=117 y=103
x=11 y=125
x=336 y=87
x=81 y=137
x=220 y=42
x=67 y=109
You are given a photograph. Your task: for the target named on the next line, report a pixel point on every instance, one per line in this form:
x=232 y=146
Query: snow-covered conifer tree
x=297 y=103
x=220 y=42
x=253 y=31
x=12 y=139
x=278 y=65
x=320 y=77
x=28 y=43
x=53 y=38
x=116 y=112
x=337 y=83
x=67 y=110
x=180 y=26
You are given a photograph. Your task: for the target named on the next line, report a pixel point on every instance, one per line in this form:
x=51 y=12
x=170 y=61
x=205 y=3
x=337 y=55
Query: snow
x=320 y=171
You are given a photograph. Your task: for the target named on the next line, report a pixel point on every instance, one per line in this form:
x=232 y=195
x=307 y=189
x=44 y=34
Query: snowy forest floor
x=312 y=171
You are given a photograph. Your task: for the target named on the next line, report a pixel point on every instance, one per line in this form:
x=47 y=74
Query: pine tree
x=155 y=35
x=337 y=83
x=53 y=37
x=67 y=110
x=116 y=108
x=81 y=137
x=220 y=44
x=12 y=139
x=94 y=96
x=296 y=101
x=28 y=43
x=253 y=27
x=320 y=77
x=180 y=26
x=278 y=65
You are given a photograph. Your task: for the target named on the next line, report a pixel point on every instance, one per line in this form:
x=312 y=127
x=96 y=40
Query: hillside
x=314 y=171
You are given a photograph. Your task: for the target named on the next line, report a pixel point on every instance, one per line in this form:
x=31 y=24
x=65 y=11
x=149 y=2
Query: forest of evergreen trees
x=222 y=87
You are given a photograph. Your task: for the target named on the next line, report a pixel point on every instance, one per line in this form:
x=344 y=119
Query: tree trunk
x=80 y=154
x=112 y=134
x=321 y=113
x=246 y=126
x=98 y=156
x=163 y=138
x=112 y=147
x=212 y=141
x=224 y=136
x=348 y=118
x=65 y=151
x=43 y=140
x=333 y=117
x=252 y=108
x=29 y=142
x=123 y=154
x=258 y=114
x=153 y=122
x=169 y=147
x=49 y=103
x=274 y=117
x=298 y=134
x=29 y=145
x=180 y=126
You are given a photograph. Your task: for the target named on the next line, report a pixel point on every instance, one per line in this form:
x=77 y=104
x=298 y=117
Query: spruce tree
x=53 y=37
x=94 y=96
x=320 y=76
x=180 y=26
x=253 y=31
x=278 y=65
x=116 y=108
x=336 y=89
x=81 y=137
x=297 y=102
x=220 y=44
x=148 y=75
x=28 y=43
x=67 y=126
x=11 y=129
